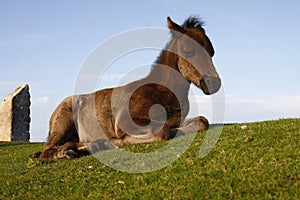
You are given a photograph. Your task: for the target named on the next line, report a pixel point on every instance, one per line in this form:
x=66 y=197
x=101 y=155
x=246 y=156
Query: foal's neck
x=168 y=57
x=165 y=70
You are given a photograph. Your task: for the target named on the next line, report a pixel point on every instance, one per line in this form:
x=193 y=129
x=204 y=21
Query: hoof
x=36 y=155
x=203 y=125
x=70 y=154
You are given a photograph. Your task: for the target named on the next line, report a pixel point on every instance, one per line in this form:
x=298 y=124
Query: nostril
x=210 y=85
x=205 y=77
x=208 y=81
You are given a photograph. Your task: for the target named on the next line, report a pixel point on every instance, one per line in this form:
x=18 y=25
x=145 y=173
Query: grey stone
x=15 y=115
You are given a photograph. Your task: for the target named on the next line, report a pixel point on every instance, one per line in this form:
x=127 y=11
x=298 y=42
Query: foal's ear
x=175 y=27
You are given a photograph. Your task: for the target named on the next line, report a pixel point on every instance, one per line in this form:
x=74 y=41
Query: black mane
x=193 y=22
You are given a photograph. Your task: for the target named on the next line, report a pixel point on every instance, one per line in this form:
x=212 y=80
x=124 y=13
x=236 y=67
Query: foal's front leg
x=191 y=125
x=150 y=137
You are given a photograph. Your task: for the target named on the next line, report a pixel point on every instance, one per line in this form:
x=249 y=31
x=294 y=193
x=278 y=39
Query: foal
x=147 y=110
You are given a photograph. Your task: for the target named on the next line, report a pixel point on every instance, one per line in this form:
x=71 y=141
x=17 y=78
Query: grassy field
x=261 y=161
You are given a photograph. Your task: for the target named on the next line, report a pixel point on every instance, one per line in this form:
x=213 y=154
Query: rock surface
x=15 y=115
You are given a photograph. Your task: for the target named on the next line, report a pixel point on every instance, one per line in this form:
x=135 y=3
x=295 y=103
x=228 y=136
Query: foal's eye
x=189 y=53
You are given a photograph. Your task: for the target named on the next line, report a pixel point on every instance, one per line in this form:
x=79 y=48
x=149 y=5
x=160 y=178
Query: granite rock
x=15 y=115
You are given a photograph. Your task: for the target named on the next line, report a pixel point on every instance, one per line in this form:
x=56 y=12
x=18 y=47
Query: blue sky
x=44 y=43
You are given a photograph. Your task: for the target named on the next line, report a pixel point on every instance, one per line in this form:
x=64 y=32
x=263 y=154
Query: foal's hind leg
x=68 y=151
x=62 y=133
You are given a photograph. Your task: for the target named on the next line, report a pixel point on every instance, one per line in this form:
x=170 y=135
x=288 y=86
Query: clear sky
x=44 y=43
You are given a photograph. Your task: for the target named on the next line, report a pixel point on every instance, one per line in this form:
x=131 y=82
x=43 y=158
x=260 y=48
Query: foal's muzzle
x=210 y=85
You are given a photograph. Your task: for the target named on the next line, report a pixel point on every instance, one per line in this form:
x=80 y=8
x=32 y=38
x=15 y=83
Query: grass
x=261 y=161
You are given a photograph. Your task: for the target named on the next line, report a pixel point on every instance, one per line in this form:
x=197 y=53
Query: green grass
x=259 y=162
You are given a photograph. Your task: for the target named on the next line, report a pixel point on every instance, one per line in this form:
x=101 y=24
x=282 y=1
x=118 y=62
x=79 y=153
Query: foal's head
x=195 y=52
